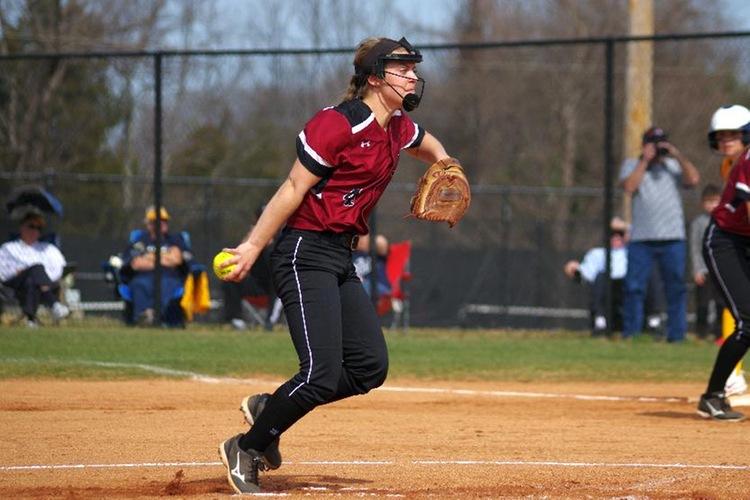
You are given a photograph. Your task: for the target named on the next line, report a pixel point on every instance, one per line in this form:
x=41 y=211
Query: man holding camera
x=657 y=232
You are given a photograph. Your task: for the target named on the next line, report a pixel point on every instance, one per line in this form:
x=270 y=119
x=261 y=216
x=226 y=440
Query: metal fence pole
x=608 y=174
x=157 y=184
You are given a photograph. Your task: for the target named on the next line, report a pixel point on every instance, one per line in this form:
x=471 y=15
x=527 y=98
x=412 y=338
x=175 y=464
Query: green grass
x=86 y=351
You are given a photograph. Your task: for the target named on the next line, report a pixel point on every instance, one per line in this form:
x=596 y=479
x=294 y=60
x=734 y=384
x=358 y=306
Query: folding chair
x=119 y=276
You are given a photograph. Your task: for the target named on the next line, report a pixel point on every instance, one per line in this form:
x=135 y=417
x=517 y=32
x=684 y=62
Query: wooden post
x=638 y=83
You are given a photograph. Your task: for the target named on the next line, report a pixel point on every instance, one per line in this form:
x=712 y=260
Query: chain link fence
x=528 y=121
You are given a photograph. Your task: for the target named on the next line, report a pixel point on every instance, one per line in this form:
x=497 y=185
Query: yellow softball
x=222 y=272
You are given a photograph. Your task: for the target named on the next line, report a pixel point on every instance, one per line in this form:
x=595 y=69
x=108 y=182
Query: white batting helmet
x=731 y=117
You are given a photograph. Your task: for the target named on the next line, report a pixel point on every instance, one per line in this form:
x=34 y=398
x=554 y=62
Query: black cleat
x=252 y=407
x=717 y=407
x=242 y=466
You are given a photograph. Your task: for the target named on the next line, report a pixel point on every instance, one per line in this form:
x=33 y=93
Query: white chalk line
x=387 y=388
x=520 y=394
x=380 y=463
x=546 y=463
x=143 y=465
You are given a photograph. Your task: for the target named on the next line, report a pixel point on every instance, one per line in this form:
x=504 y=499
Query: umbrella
x=37 y=197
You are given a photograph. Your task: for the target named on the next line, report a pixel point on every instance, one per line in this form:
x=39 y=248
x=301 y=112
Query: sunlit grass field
x=115 y=352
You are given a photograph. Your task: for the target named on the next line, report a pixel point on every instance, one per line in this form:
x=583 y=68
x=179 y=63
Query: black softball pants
x=334 y=327
x=726 y=255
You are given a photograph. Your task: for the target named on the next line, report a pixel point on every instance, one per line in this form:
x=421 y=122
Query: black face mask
x=411 y=100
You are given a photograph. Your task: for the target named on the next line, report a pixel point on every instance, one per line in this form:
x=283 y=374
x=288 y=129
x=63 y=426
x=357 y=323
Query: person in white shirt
x=591 y=270
x=33 y=269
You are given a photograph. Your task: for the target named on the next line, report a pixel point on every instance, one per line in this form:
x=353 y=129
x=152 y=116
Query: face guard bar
x=374 y=61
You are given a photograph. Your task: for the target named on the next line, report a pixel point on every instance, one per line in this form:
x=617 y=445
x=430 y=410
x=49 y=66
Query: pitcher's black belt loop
x=346 y=240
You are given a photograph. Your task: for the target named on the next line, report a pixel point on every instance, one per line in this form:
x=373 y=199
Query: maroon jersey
x=731 y=214
x=355 y=159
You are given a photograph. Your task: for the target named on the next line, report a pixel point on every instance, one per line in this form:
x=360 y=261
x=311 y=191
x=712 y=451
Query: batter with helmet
x=729 y=135
x=725 y=248
x=346 y=156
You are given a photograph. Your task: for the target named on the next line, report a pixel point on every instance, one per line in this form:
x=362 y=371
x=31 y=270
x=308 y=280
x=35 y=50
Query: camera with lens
x=656 y=135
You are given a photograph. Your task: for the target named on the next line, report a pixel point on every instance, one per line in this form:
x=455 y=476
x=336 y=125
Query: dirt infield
x=158 y=438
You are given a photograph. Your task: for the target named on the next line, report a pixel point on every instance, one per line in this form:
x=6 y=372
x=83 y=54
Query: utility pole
x=638 y=82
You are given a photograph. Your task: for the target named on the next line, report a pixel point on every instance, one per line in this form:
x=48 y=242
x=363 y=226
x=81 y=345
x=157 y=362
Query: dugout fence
x=210 y=135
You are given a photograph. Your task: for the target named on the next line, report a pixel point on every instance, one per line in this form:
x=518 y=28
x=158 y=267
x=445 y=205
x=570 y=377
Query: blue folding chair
x=120 y=275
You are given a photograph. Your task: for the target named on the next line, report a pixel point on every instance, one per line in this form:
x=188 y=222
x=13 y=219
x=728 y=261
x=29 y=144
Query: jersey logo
x=350 y=197
x=365 y=144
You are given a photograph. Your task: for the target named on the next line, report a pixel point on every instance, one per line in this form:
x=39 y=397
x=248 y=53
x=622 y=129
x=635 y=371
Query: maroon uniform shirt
x=731 y=213
x=355 y=158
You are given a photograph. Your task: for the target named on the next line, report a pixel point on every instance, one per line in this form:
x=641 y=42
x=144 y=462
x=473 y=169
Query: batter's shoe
x=252 y=407
x=717 y=407
x=242 y=466
x=736 y=384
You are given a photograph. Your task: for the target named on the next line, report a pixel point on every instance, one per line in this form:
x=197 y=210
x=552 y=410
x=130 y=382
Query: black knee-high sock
x=279 y=414
x=731 y=352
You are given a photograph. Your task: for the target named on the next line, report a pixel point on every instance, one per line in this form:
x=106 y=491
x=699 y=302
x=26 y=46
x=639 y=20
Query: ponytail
x=355 y=89
x=358 y=83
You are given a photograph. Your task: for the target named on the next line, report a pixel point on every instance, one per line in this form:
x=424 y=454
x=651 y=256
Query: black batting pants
x=726 y=255
x=334 y=327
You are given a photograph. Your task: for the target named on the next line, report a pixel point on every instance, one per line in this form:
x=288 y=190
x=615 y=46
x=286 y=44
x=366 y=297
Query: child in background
x=708 y=303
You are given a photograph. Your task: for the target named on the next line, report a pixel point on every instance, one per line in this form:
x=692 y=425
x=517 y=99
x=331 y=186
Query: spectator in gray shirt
x=657 y=232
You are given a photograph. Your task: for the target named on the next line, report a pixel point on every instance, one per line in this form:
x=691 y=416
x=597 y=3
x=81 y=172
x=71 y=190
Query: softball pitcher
x=346 y=156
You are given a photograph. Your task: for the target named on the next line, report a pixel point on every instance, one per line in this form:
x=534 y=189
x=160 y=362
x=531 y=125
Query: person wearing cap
x=346 y=156
x=139 y=259
x=655 y=180
x=33 y=269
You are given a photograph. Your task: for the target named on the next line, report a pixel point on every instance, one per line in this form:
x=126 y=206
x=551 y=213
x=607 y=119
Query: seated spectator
x=33 y=268
x=139 y=263
x=258 y=283
x=591 y=270
x=363 y=263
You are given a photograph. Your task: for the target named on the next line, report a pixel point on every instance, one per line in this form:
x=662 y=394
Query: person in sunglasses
x=33 y=269
x=346 y=156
